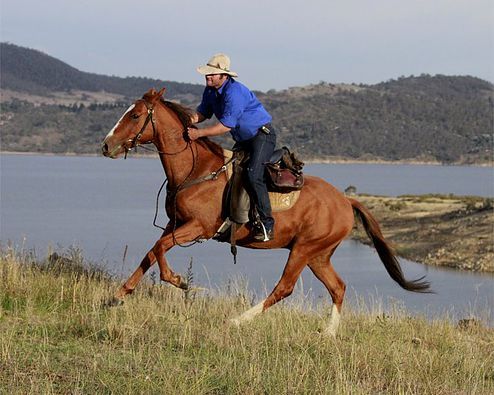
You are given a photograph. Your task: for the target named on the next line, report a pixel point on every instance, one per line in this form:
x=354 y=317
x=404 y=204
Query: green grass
x=55 y=337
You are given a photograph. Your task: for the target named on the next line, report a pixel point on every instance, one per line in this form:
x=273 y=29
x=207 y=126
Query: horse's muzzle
x=111 y=151
x=104 y=149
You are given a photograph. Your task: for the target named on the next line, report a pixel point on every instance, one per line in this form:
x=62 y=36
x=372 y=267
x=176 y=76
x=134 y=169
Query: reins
x=186 y=183
x=208 y=177
x=173 y=193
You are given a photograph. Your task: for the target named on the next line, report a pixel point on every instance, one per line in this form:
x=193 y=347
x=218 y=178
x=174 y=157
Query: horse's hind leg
x=296 y=263
x=324 y=271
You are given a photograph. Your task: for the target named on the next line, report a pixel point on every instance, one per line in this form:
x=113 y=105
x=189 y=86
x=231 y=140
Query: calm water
x=103 y=205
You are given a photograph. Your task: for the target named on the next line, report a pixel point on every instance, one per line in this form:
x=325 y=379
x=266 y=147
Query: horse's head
x=134 y=127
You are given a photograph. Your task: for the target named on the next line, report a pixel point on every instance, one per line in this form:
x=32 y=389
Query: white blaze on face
x=120 y=120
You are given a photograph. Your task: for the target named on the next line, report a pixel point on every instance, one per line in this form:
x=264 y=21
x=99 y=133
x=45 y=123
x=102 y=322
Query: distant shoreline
x=307 y=161
x=440 y=230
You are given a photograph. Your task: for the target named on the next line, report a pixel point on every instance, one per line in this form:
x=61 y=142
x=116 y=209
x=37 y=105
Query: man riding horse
x=239 y=112
x=311 y=229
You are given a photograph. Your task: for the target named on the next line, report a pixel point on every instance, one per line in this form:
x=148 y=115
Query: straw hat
x=218 y=64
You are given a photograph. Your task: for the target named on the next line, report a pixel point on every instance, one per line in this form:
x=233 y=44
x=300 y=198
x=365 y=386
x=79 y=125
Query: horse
x=311 y=230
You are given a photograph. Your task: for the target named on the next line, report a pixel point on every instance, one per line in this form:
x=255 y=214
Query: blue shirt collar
x=222 y=88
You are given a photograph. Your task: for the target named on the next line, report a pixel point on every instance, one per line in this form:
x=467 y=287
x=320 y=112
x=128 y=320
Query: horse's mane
x=184 y=113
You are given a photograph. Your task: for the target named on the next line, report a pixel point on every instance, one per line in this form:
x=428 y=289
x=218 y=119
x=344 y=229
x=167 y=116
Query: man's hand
x=215 y=130
x=193 y=133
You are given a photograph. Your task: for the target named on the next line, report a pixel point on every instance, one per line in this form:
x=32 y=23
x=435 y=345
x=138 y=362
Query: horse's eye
x=135 y=116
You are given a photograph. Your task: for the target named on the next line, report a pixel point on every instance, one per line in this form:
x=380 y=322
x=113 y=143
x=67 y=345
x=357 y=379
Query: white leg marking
x=120 y=120
x=249 y=314
x=334 y=322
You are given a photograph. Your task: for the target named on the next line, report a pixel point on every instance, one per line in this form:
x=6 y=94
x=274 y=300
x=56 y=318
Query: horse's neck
x=180 y=160
x=175 y=155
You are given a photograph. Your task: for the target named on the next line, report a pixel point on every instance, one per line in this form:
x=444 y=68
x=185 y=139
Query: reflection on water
x=103 y=206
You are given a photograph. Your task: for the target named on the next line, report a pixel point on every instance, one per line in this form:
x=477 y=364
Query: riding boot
x=262 y=232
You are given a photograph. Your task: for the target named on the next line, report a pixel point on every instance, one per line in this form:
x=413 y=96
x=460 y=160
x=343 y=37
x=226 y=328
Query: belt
x=266 y=129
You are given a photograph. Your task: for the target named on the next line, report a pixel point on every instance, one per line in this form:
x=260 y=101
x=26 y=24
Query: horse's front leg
x=148 y=261
x=184 y=234
x=129 y=286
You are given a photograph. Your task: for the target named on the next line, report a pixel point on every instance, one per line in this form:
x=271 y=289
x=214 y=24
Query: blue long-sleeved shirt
x=236 y=107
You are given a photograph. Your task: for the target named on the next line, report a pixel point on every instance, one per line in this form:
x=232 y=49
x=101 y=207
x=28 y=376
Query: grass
x=56 y=337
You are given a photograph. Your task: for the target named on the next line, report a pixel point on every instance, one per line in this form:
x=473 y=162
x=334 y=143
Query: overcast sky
x=273 y=44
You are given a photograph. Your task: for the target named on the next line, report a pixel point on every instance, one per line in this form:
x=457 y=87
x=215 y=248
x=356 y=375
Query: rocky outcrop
x=450 y=231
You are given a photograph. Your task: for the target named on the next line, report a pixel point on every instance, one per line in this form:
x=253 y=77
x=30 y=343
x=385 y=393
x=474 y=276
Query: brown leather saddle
x=284 y=171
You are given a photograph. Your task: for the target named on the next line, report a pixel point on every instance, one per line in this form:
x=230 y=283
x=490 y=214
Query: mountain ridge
x=32 y=71
x=445 y=119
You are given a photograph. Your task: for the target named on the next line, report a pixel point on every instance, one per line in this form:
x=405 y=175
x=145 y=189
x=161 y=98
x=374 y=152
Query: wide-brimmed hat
x=218 y=64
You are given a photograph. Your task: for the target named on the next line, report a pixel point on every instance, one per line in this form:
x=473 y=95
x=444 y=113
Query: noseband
x=135 y=141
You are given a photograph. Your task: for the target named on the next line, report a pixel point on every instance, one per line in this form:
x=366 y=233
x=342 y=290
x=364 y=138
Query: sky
x=273 y=44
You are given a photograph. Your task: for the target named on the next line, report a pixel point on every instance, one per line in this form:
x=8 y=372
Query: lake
x=107 y=206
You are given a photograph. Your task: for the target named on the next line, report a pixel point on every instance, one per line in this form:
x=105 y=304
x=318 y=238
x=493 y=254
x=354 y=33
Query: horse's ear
x=149 y=94
x=161 y=92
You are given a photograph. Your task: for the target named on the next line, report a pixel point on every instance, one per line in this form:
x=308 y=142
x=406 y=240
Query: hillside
x=440 y=118
x=445 y=119
x=38 y=74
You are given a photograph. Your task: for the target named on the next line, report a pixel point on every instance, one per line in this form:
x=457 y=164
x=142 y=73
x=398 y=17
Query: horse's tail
x=385 y=252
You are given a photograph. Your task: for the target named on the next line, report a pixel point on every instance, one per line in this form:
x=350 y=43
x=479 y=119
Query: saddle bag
x=285 y=174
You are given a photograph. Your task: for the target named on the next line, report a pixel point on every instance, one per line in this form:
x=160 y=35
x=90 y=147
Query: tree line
x=448 y=119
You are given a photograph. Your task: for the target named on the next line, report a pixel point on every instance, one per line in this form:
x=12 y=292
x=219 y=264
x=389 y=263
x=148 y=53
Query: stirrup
x=261 y=233
x=221 y=233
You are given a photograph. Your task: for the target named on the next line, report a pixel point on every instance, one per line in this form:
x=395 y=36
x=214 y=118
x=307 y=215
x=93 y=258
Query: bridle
x=134 y=142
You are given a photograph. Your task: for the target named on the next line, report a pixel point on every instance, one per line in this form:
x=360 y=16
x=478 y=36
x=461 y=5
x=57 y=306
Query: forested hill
x=49 y=106
x=34 y=72
x=426 y=118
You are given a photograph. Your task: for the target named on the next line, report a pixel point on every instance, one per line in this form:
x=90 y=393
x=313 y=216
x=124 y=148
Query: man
x=240 y=113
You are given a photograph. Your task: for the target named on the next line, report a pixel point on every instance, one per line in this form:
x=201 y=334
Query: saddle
x=284 y=181
x=284 y=171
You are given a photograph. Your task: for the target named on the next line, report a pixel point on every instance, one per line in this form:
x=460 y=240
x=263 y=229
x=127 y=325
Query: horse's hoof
x=182 y=284
x=329 y=333
x=113 y=302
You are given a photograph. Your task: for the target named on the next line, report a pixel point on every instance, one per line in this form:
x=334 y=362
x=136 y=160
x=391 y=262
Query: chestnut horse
x=311 y=229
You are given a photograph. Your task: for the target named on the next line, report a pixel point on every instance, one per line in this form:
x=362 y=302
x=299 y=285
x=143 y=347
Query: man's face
x=215 y=80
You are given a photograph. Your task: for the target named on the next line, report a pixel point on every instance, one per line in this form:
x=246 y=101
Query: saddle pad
x=227 y=155
x=279 y=201
x=283 y=201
